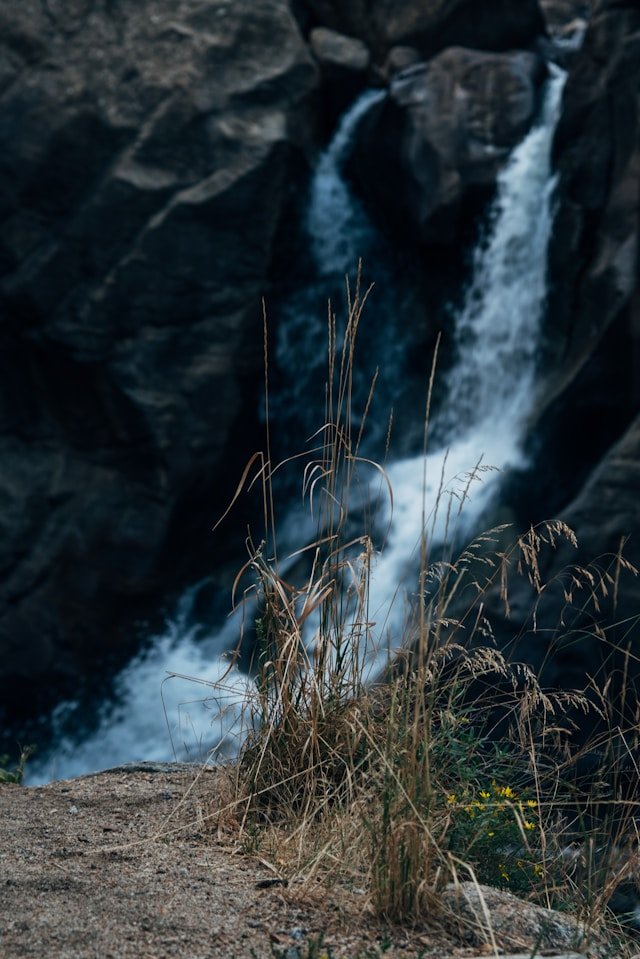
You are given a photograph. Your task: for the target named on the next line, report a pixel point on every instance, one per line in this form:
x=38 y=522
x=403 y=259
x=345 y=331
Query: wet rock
x=444 y=130
x=146 y=148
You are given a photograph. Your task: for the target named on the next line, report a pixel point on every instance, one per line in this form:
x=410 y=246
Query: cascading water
x=491 y=385
x=145 y=718
x=490 y=391
x=339 y=233
x=338 y=227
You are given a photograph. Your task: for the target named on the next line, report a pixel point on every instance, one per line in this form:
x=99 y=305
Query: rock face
x=444 y=129
x=593 y=395
x=145 y=150
x=593 y=328
x=432 y=26
x=594 y=255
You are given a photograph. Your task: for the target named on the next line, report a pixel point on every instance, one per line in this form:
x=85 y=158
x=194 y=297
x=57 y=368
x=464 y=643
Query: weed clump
x=399 y=763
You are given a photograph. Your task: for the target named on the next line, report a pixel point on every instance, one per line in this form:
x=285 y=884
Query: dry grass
x=455 y=764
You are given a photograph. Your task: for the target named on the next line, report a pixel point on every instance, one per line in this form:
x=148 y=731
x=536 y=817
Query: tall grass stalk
x=452 y=762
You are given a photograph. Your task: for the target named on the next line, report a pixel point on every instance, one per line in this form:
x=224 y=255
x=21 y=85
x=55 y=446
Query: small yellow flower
x=507 y=792
x=451 y=799
x=538 y=870
x=484 y=794
x=532 y=804
x=529 y=825
x=490 y=833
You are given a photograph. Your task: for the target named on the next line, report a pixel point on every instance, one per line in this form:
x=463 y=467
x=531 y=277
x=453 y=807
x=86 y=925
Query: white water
x=489 y=397
x=152 y=716
x=338 y=227
x=491 y=387
x=339 y=234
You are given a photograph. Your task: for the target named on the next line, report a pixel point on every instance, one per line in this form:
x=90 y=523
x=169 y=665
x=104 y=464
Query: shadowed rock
x=146 y=147
x=445 y=128
x=382 y=24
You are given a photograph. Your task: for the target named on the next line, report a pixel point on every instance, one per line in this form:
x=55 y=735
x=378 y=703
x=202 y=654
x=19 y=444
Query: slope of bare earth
x=122 y=864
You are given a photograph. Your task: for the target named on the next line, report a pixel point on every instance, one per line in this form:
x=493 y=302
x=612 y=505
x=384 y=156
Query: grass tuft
x=400 y=763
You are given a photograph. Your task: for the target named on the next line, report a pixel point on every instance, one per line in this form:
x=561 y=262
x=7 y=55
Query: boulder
x=443 y=131
x=382 y=24
x=339 y=56
x=146 y=151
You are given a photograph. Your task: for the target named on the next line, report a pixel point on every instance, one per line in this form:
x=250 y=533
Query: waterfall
x=148 y=716
x=489 y=394
x=338 y=227
x=491 y=385
x=338 y=233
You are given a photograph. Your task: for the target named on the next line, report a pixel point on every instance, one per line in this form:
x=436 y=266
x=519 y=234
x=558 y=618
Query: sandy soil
x=121 y=864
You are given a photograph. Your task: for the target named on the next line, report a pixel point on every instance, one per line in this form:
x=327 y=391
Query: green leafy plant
x=495 y=829
x=15 y=775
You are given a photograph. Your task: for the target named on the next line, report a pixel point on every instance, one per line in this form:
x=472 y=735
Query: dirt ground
x=121 y=864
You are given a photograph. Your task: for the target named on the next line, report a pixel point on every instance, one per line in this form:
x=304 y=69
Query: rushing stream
x=490 y=391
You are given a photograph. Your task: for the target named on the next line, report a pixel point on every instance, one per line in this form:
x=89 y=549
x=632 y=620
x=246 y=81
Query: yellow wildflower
x=529 y=825
x=451 y=799
x=484 y=794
